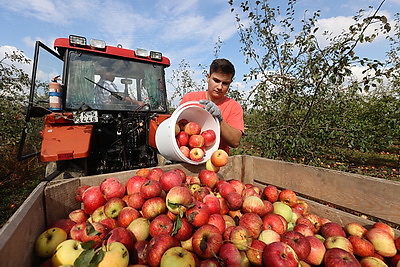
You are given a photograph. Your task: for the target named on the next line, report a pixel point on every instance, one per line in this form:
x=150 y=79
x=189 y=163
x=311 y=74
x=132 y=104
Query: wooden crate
x=376 y=198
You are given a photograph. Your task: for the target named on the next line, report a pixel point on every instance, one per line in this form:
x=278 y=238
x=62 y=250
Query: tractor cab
x=94 y=108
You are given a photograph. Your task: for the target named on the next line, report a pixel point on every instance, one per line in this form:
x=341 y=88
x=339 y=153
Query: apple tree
x=307 y=99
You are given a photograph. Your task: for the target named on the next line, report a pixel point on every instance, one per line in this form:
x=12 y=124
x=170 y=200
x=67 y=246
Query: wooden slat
x=20 y=232
x=371 y=196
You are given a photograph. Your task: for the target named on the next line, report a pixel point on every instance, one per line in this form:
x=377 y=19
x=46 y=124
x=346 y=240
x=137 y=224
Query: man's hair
x=222 y=65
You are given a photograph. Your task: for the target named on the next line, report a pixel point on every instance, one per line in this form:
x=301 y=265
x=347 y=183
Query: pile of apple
x=192 y=141
x=168 y=218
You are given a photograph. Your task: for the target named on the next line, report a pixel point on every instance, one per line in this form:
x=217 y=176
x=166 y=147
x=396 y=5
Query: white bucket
x=165 y=134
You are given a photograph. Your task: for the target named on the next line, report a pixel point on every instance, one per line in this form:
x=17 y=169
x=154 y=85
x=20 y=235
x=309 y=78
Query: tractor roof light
x=77 y=40
x=141 y=52
x=156 y=55
x=99 y=44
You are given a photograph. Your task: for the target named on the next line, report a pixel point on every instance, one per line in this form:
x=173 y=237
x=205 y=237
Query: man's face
x=218 y=84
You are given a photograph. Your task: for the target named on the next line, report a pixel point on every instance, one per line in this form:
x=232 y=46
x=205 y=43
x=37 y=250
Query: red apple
x=134 y=184
x=92 y=198
x=157 y=246
x=170 y=179
x=79 y=192
x=185 y=231
x=238 y=185
x=196 y=154
x=218 y=221
x=207 y=241
x=135 y=200
x=219 y=158
x=126 y=216
x=192 y=128
x=271 y=193
x=338 y=242
x=385 y=227
x=225 y=188
x=254 y=204
x=78 y=230
x=279 y=254
x=382 y=241
x=209 y=263
x=208 y=178
x=138 y=254
x=356 y=229
x=183 y=138
x=254 y=253
x=209 y=137
x=161 y=224
x=198 y=215
x=304 y=205
x=153 y=207
x=397 y=243
x=335 y=257
x=143 y=172
x=178 y=199
x=223 y=206
x=151 y=188
x=212 y=203
x=109 y=223
x=317 y=251
x=122 y=235
x=253 y=223
x=182 y=123
x=234 y=201
x=288 y=197
x=97 y=228
x=332 y=229
x=230 y=255
x=64 y=223
x=372 y=262
x=112 y=187
x=303 y=229
x=196 y=140
x=361 y=246
x=78 y=216
x=274 y=222
x=155 y=174
x=185 y=151
x=298 y=242
x=315 y=219
x=201 y=192
x=240 y=237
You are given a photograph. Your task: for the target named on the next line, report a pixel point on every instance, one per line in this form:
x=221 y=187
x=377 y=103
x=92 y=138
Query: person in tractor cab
x=225 y=109
x=106 y=91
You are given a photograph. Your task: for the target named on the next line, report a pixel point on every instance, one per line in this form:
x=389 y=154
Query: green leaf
x=88 y=245
x=84 y=258
x=177 y=224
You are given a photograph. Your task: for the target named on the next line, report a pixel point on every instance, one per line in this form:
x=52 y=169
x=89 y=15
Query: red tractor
x=101 y=107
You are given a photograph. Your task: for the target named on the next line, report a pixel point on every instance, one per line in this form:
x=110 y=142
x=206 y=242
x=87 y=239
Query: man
x=226 y=110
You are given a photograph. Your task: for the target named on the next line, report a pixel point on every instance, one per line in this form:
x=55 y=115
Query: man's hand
x=212 y=108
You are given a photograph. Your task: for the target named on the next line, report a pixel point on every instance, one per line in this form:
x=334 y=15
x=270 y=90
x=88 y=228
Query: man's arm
x=231 y=135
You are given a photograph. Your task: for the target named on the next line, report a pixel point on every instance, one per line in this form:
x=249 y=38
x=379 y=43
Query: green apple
x=284 y=210
x=67 y=252
x=48 y=240
x=177 y=256
x=115 y=255
x=140 y=228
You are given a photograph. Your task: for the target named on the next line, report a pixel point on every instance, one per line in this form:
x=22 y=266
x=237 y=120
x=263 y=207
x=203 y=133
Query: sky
x=182 y=30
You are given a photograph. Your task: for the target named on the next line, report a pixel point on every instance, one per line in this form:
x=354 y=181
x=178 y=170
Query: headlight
x=77 y=40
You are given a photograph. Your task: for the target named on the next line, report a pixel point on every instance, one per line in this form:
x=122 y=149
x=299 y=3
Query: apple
x=140 y=228
x=178 y=198
x=209 y=263
x=185 y=151
x=65 y=223
x=79 y=192
x=177 y=256
x=185 y=230
x=123 y=236
x=224 y=188
x=240 y=237
x=151 y=188
x=234 y=201
x=372 y=262
x=157 y=246
x=206 y=241
x=395 y=261
x=134 y=184
x=47 y=241
x=235 y=214
x=92 y=198
x=397 y=243
x=196 y=154
x=153 y=207
x=361 y=246
x=304 y=205
x=212 y=203
x=332 y=229
x=284 y=210
x=298 y=242
x=274 y=222
x=138 y=253
x=209 y=137
x=127 y=215
x=219 y=158
x=94 y=232
x=315 y=219
x=250 y=191
x=198 y=215
x=113 y=207
x=192 y=128
x=269 y=236
x=253 y=223
x=218 y=221
x=177 y=128
x=208 y=178
x=356 y=229
x=78 y=216
x=382 y=241
x=170 y=179
x=161 y=224
x=115 y=254
x=317 y=251
x=196 y=140
x=303 y=229
x=143 y=172
x=98 y=215
x=182 y=123
x=78 y=230
x=112 y=187
x=230 y=254
x=288 y=197
x=254 y=204
x=201 y=192
x=254 y=253
x=271 y=193
x=135 y=200
x=66 y=253
x=338 y=242
x=211 y=167
x=109 y=223
x=155 y=174
x=223 y=206
x=183 y=138
x=385 y=227
x=335 y=257
x=279 y=254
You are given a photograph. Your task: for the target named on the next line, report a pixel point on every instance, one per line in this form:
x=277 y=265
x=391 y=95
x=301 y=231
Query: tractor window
x=106 y=83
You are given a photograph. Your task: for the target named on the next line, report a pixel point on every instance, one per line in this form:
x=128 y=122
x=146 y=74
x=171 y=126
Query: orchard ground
x=18 y=179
